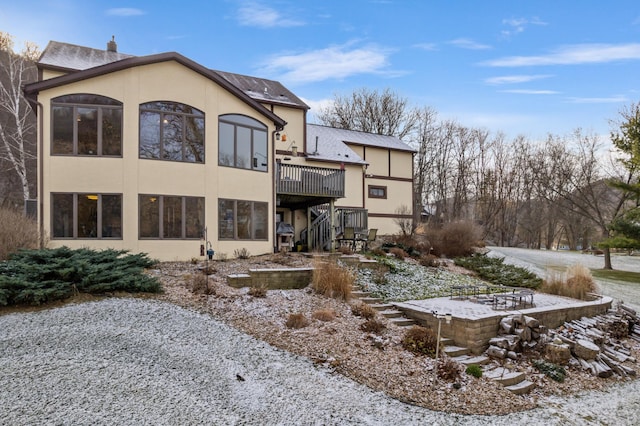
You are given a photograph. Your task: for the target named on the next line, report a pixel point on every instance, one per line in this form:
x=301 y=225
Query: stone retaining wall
x=273 y=279
x=475 y=333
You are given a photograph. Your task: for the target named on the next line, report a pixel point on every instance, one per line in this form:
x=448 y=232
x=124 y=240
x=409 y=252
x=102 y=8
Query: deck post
x=332 y=219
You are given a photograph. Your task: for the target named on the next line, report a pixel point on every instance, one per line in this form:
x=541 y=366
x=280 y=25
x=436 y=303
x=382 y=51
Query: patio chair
x=371 y=236
x=348 y=236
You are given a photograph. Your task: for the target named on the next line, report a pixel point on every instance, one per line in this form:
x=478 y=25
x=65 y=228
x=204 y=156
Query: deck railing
x=295 y=179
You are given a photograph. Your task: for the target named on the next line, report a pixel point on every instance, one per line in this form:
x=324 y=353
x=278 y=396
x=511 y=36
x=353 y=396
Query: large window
x=242 y=143
x=86 y=215
x=171 y=131
x=85 y=124
x=171 y=217
x=242 y=220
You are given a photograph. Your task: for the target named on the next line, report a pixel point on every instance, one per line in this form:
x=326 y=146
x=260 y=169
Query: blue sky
x=521 y=67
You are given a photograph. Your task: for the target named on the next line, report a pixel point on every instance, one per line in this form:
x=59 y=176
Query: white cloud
x=513 y=79
x=531 y=92
x=316 y=106
x=125 y=11
x=609 y=100
x=573 y=55
x=465 y=43
x=254 y=14
x=518 y=25
x=335 y=62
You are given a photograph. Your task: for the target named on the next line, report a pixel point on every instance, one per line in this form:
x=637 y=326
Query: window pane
x=260 y=220
x=225 y=219
x=87 y=216
x=172 y=217
x=149 y=206
x=111 y=216
x=172 y=137
x=87 y=131
x=244 y=220
x=243 y=154
x=149 y=134
x=111 y=131
x=226 y=144
x=62 y=214
x=62 y=130
x=260 y=150
x=194 y=150
x=194 y=220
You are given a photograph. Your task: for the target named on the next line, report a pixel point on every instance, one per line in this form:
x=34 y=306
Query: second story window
x=242 y=143
x=171 y=131
x=84 y=124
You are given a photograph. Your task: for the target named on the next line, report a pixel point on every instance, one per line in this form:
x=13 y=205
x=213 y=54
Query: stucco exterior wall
x=131 y=175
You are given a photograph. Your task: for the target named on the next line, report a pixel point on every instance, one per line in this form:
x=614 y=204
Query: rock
x=558 y=353
x=496 y=352
x=586 y=349
x=506 y=325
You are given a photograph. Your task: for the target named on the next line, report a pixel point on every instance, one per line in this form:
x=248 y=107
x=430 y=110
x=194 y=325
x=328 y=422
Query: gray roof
x=70 y=57
x=263 y=90
x=333 y=144
x=67 y=56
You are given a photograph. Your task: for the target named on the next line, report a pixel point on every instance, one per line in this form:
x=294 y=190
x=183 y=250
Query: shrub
x=346 y=250
x=324 y=315
x=297 y=321
x=550 y=370
x=200 y=284
x=398 y=253
x=363 y=310
x=420 y=340
x=578 y=283
x=378 y=252
x=39 y=276
x=332 y=280
x=453 y=239
x=494 y=270
x=429 y=260
x=373 y=326
x=17 y=232
x=282 y=258
x=448 y=369
x=222 y=257
x=242 y=253
x=474 y=370
x=257 y=291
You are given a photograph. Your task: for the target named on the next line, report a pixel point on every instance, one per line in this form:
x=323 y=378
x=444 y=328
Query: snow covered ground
x=130 y=361
x=539 y=261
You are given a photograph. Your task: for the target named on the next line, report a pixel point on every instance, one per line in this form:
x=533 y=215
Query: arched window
x=242 y=142
x=171 y=131
x=85 y=124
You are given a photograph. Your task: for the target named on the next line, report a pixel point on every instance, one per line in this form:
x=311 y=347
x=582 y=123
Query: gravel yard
x=228 y=358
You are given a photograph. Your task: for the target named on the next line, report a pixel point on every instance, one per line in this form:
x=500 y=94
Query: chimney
x=112 y=46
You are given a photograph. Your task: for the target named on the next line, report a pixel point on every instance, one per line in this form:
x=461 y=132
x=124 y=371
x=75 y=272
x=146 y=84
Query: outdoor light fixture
x=447 y=317
x=277 y=136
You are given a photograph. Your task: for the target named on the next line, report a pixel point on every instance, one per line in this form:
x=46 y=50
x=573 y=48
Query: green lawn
x=631 y=277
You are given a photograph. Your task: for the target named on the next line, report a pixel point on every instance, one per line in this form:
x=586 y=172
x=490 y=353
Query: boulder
x=586 y=349
x=558 y=353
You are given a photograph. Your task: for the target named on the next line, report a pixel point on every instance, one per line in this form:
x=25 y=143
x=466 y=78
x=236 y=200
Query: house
x=162 y=155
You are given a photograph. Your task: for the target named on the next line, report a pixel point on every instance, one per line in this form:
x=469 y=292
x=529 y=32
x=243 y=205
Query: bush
x=577 y=284
x=200 y=284
x=257 y=291
x=398 y=253
x=429 y=260
x=448 y=369
x=297 y=321
x=454 y=239
x=550 y=370
x=332 y=280
x=39 y=276
x=325 y=315
x=17 y=232
x=373 y=326
x=420 y=340
x=494 y=270
x=474 y=370
x=363 y=310
x=242 y=253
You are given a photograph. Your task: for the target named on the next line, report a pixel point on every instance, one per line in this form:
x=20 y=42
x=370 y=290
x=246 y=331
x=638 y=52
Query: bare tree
x=17 y=121
x=371 y=111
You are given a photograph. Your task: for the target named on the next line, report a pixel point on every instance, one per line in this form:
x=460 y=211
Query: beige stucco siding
x=378 y=160
x=131 y=175
x=401 y=164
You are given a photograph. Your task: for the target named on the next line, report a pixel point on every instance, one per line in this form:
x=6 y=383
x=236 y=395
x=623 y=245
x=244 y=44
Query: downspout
x=274 y=195
x=40 y=179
